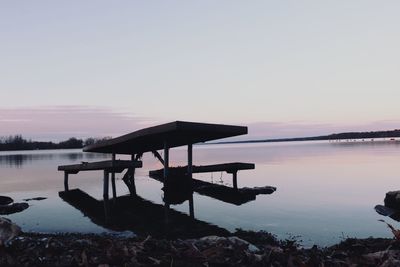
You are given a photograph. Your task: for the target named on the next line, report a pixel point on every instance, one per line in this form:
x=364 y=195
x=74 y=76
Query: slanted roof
x=178 y=133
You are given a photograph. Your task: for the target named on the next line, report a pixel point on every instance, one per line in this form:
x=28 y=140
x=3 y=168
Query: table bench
x=231 y=168
x=108 y=166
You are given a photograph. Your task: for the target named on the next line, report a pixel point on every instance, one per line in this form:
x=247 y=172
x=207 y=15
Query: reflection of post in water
x=105 y=196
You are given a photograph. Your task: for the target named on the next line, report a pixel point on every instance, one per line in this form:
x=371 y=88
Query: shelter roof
x=178 y=133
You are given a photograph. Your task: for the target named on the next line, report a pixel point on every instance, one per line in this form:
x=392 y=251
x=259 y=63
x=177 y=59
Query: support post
x=105 y=194
x=158 y=156
x=190 y=177
x=166 y=161
x=166 y=169
x=66 y=188
x=190 y=161
x=129 y=178
x=114 y=190
x=234 y=179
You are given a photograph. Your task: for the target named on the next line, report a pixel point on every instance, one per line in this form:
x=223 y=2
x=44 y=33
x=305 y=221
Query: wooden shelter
x=161 y=137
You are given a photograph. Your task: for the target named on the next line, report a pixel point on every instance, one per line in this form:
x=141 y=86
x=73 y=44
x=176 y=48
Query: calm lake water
x=326 y=191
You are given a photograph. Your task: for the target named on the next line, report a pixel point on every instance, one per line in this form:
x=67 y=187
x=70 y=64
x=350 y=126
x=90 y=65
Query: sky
x=284 y=68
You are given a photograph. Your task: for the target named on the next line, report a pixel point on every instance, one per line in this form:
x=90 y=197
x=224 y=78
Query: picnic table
x=161 y=137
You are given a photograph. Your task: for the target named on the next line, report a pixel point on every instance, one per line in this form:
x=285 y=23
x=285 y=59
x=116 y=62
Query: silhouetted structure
x=163 y=137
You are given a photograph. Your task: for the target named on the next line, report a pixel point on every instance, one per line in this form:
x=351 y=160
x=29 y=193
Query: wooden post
x=114 y=190
x=105 y=194
x=66 y=188
x=234 y=178
x=132 y=179
x=190 y=161
x=158 y=156
x=190 y=176
x=129 y=178
x=166 y=161
x=166 y=169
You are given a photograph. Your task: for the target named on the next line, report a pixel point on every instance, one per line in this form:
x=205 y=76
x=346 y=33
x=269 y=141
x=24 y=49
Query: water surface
x=326 y=191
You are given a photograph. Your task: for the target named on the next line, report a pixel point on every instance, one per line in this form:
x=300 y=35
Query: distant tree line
x=17 y=142
x=338 y=136
x=364 y=135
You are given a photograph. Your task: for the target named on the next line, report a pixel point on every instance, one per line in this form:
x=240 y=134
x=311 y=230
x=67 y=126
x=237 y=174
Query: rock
x=212 y=238
x=274 y=249
x=382 y=255
x=8 y=207
x=385 y=211
x=388 y=258
x=8 y=231
x=13 y=208
x=238 y=241
x=392 y=199
x=193 y=252
x=259 y=190
x=35 y=198
x=233 y=241
x=390 y=263
x=4 y=200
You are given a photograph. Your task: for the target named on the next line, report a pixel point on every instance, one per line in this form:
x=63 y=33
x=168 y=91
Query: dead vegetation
x=243 y=249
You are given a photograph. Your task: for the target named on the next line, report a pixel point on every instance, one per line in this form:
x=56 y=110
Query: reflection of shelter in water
x=140 y=216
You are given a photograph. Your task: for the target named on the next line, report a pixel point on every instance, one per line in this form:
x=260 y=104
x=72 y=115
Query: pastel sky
x=285 y=68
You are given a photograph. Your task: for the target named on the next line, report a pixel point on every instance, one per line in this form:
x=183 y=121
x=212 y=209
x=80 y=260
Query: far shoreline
x=18 y=143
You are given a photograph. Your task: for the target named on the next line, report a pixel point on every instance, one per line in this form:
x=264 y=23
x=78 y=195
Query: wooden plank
x=108 y=165
x=228 y=167
x=225 y=167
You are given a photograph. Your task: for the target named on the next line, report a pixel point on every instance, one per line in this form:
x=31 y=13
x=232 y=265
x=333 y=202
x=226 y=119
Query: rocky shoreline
x=243 y=248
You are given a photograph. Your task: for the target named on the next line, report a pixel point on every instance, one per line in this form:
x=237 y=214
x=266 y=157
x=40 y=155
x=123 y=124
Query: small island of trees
x=17 y=142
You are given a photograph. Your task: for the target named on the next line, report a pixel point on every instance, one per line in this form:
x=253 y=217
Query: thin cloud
x=58 y=123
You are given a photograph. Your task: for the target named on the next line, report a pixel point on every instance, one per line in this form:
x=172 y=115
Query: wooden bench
x=108 y=166
x=116 y=166
x=231 y=168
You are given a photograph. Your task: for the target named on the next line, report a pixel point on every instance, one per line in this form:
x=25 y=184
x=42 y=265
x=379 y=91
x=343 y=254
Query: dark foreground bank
x=242 y=249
